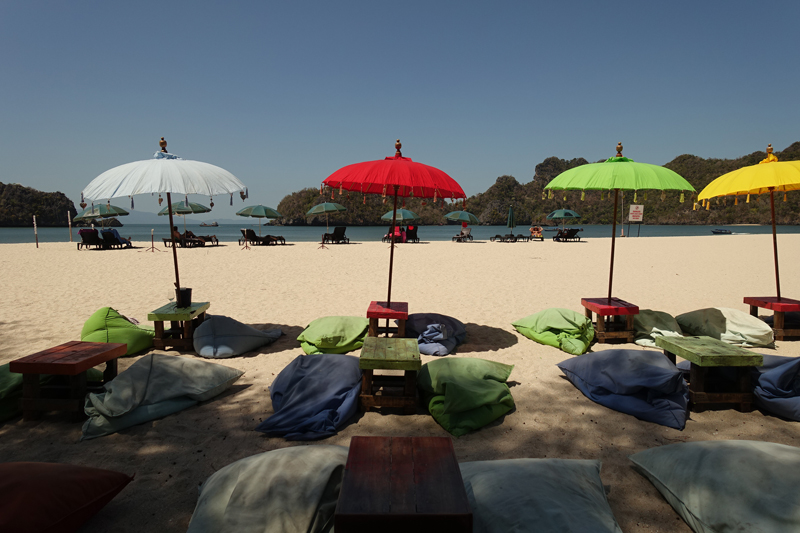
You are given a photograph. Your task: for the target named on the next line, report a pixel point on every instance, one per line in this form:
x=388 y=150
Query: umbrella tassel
x=784 y=196
x=131 y=202
x=247 y=195
x=694 y=206
x=365 y=198
x=583 y=195
x=544 y=194
x=663 y=195
x=682 y=196
x=160 y=200
x=435 y=192
x=748 y=199
x=320 y=189
x=383 y=194
x=565 y=196
x=231 y=198
x=404 y=203
x=331 y=194
x=635 y=194
x=736 y=200
x=340 y=188
x=601 y=195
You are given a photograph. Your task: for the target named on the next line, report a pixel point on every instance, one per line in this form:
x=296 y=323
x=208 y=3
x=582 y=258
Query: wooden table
x=396 y=310
x=183 y=321
x=778 y=307
x=402 y=485
x=614 y=308
x=389 y=353
x=704 y=353
x=71 y=359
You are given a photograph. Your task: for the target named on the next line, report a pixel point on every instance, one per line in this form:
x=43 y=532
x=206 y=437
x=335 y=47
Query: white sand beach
x=49 y=292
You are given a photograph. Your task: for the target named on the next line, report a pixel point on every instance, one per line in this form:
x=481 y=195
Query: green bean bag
x=107 y=325
x=561 y=328
x=334 y=334
x=464 y=394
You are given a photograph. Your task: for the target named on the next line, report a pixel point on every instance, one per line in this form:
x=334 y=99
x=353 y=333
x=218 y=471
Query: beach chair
x=465 y=235
x=398 y=236
x=254 y=239
x=536 y=234
x=411 y=234
x=276 y=239
x=337 y=237
x=90 y=237
x=567 y=235
x=522 y=238
x=110 y=241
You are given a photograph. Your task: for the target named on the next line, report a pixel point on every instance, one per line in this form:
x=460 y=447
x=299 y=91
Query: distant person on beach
x=120 y=238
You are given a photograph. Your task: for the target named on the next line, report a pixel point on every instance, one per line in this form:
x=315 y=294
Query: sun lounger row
x=107 y=240
x=249 y=236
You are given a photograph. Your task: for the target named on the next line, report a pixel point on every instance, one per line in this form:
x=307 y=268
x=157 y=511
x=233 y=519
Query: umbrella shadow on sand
x=482 y=338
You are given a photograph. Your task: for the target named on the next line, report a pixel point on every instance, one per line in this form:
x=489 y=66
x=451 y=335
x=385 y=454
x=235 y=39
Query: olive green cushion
x=334 y=334
x=561 y=328
x=108 y=325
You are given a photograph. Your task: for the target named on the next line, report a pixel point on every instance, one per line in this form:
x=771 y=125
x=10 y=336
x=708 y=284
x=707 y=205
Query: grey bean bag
x=728 y=325
x=649 y=324
x=436 y=334
x=221 y=336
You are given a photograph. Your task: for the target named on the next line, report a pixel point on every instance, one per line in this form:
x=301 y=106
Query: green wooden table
x=389 y=353
x=183 y=321
x=705 y=353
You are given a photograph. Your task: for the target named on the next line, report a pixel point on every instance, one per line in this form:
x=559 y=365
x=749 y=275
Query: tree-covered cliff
x=19 y=204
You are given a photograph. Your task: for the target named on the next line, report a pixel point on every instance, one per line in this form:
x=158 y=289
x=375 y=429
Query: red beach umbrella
x=396 y=176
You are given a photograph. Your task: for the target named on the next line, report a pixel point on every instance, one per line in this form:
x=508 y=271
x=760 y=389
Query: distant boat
x=721 y=231
x=212 y=225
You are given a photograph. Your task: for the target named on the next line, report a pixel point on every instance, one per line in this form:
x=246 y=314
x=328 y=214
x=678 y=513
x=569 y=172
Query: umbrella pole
x=774 y=241
x=259 y=227
x=174 y=244
x=613 y=242
x=391 y=252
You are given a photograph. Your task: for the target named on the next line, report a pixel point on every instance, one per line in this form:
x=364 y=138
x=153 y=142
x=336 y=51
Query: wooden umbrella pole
x=391 y=252
x=774 y=241
x=174 y=244
x=613 y=242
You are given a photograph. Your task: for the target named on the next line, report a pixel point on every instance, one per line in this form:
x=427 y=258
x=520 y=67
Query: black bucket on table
x=183 y=297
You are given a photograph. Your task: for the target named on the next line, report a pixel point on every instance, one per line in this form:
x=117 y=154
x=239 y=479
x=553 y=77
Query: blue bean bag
x=642 y=383
x=436 y=334
x=221 y=336
x=777 y=386
x=313 y=397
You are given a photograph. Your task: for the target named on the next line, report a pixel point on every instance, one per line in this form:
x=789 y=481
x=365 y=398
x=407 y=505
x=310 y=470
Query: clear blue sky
x=284 y=93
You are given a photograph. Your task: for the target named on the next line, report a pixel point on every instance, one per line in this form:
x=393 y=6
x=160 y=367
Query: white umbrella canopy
x=165 y=173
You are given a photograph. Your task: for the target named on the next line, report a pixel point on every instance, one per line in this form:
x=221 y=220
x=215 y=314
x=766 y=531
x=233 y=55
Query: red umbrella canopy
x=396 y=175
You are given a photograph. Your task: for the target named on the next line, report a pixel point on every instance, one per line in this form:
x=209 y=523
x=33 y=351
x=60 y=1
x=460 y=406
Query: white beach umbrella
x=165 y=173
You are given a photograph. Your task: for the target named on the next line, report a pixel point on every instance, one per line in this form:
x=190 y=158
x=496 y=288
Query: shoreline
x=53 y=290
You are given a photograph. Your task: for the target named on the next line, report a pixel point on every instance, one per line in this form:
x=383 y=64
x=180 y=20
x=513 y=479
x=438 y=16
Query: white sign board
x=636 y=214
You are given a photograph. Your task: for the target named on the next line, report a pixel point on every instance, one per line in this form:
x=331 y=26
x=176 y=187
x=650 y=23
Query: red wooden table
x=402 y=485
x=396 y=310
x=778 y=307
x=71 y=359
x=609 y=328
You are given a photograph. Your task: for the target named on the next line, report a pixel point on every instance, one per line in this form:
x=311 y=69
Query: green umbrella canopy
x=462 y=216
x=99 y=211
x=511 y=222
x=403 y=215
x=258 y=211
x=561 y=214
x=325 y=208
x=182 y=208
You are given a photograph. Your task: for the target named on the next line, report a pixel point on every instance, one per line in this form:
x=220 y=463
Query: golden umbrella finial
x=619 y=149
x=397 y=147
x=771 y=158
x=163 y=144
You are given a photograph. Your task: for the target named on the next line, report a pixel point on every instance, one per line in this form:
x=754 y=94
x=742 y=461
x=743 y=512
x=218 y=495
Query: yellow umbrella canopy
x=768 y=176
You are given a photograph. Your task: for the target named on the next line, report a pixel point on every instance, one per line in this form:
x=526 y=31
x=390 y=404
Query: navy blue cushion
x=642 y=383
x=436 y=334
x=313 y=397
x=777 y=386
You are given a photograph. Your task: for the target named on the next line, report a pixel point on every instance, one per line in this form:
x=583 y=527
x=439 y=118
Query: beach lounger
x=276 y=239
x=503 y=238
x=337 y=237
x=411 y=234
x=567 y=235
x=536 y=234
x=464 y=236
x=251 y=236
x=90 y=237
x=110 y=241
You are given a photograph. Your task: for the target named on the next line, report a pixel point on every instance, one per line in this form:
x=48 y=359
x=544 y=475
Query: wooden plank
x=172 y=312
x=401 y=478
x=390 y=353
x=440 y=488
x=68 y=359
x=365 y=474
x=707 y=351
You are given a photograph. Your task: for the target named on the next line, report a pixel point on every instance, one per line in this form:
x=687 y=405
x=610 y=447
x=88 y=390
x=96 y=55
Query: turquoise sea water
x=231 y=232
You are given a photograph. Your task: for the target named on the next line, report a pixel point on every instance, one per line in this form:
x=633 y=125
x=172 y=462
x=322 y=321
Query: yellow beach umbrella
x=768 y=176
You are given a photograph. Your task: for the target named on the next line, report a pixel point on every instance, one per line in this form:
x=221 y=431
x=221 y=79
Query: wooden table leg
x=159 y=326
x=671 y=357
x=77 y=391
x=777 y=324
x=697 y=383
x=366 y=389
x=410 y=392
x=401 y=328
x=111 y=371
x=601 y=326
x=754 y=310
x=373 y=327
x=188 y=330
x=745 y=387
x=30 y=397
x=629 y=327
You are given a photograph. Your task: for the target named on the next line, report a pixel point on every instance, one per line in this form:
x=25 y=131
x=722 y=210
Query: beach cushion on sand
x=290 y=490
x=777 y=386
x=221 y=336
x=334 y=334
x=53 y=497
x=108 y=325
x=313 y=397
x=727 y=486
x=728 y=325
x=561 y=328
x=649 y=324
x=642 y=383
x=11 y=389
x=436 y=334
x=465 y=394
x=154 y=386
x=547 y=495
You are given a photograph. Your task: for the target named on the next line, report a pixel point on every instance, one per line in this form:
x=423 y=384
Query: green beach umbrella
x=511 y=222
x=325 y=208
x=182 y=209
x=619 y=173
x=101 y=211
x=462 y=216
x=403 y=215
x=562 y=215
x=259 y=212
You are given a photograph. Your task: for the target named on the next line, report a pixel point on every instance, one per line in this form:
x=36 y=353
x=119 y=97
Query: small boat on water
x=721 y=231
x=212 y=225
